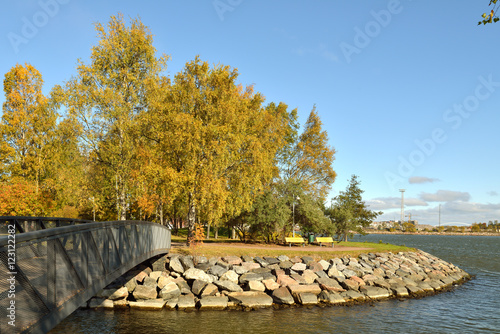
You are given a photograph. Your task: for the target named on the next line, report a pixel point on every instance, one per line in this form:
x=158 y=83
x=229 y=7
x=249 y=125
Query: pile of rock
x=183 y=282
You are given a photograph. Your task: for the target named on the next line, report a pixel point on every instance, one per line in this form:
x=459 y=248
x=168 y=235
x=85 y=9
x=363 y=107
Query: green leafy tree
x=27 y=127
x=350 y=213
x=108 y=94
x=216 y=141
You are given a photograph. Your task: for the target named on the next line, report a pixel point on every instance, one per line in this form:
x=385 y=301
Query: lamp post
x=293 y=214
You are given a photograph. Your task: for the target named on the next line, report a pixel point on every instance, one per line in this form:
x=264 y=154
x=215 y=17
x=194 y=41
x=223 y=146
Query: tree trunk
x=216 y=232
x=191 y=218
x=121 y=199
x=208 y=231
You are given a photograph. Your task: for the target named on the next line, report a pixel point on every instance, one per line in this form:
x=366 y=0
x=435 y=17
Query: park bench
x=295 y=240
x=325 y=240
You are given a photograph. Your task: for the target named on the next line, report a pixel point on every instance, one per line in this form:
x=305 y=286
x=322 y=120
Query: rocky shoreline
x=182 y=282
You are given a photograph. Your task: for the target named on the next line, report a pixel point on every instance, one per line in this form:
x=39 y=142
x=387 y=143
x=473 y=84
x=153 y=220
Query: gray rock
x=374 y=292
x=144 y=292
x=239 y=270
x=203 y=266
x=159 y=264
x=210 y=290
x=271 y=260
x=270 y=284
x=307 y=298
x=400 y=291
x=223 y=264
x=283 y=296
x=194 y=274
x=176 y=265
x=298 y=278
x=148 y=281
x=283 y=258
x=213 y=303
x=261 y=261
x=250 y=276
x=299 y=267
x=155 y=275
x=153 y=304
x=256 y=286
x=228 y=286
x=230 y=275
x=186 y=302
x=307 y=259
x=217 y=270
x=354 y=295
x=183 y=285
x=251 y=299
x=325 y=265
x=286 y=264
x=330 y=297
x=295 y=290
x=200 y=259
x=247 y=258
x=232 y=260
x=170 y=291
x=163 y=280
x=120 y=293
x=198 y=286
x=414 y=290
x=329 y=284
x=131 y=283
x=250 y=265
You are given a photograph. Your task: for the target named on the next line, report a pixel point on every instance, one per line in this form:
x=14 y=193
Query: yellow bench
x=325 y=240
x=295 y=240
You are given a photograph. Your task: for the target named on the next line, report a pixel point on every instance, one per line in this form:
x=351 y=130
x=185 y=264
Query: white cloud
x=421 y=179
x=445 y=196
x=384 y=203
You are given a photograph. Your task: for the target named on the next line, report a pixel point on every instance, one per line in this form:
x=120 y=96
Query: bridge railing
x=47 y=273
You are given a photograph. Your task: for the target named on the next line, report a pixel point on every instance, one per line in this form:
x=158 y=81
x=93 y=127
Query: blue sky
x=408 y=91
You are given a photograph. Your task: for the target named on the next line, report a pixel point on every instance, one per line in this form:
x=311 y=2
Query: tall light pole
x=293 y=215
x=402 y=205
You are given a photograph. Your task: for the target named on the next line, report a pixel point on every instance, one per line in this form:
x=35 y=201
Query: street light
x=293 y=214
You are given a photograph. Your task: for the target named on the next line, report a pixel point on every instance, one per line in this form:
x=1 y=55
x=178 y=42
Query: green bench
x=325 y=240
x=295 y=240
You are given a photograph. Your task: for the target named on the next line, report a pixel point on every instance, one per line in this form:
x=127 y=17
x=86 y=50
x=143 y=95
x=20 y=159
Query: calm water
x=471 y=308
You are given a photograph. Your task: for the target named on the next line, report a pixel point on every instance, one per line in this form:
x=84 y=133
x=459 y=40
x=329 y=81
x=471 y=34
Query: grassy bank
x=223 y=248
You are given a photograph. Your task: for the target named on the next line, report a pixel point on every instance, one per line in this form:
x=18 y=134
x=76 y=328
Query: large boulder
x=198 y=286
x=230 y=275
x=283 y=296
x=250 y=276
x=152 y=304
x=175 y=265
x=186 y=302
x=295 y=290
x=213 y=303
x=144 y=292
x=228 y=286
x=194 y=274
x=170 y=291
x=329 y=284
x=251 y=299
